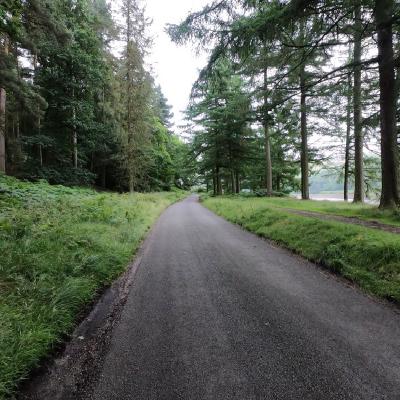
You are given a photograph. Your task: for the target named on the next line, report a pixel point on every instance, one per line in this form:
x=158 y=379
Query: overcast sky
x=176 y=67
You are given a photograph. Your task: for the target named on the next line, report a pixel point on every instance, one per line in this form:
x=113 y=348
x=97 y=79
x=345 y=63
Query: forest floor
x=358 y=242
x=60 y=247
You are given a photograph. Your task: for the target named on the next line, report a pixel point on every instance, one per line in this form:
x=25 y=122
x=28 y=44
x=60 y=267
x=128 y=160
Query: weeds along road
x=217 y=313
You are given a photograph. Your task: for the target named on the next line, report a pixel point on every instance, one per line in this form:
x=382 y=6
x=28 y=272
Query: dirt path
x=347 y=220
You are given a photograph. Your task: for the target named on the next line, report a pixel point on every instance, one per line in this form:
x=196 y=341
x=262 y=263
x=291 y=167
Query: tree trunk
x=219 y=183
x=233 y=181
x=348 y=143
x=74 y=133
x=39 y=118
x=40 y=147
x=268 y=161
x=3 y=97
x=131 y=183
x=305 y=190
x=358 y=131
x=215 y=182
x=131 y=177
x=390 y=197
x=40 y=155
x=237 y=175
x=267 y=139
x=75 y=148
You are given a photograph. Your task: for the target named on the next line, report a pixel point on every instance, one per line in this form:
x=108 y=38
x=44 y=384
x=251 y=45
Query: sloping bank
x=58 y=247
x=368 y=257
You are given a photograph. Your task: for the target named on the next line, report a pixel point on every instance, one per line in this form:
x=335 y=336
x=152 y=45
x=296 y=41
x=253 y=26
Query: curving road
x=217 y=313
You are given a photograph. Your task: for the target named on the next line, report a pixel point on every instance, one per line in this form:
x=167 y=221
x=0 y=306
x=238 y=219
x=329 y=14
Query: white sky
x=176 y=67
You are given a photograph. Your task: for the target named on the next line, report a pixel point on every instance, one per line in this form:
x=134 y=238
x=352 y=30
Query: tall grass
x=58 y=247
x=341 y=208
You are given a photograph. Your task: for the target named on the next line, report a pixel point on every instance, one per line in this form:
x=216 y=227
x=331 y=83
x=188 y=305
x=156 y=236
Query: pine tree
x=136 y=91
x=221 y=107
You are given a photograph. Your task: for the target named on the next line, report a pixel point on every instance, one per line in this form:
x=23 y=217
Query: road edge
x=72 y=373
x=320 y=266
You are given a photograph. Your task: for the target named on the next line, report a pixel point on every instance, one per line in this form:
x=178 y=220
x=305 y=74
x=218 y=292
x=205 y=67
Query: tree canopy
x=299 y=56
x=73 y=111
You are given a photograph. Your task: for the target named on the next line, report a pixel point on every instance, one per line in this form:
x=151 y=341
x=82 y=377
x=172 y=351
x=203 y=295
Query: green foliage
x=368 y=257
x=304 y=57
x=59 y=247
x=76 y=114
x=221 y=107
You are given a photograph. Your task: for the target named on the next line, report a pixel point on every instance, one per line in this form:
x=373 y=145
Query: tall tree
x=267 y=138
x=3 y=97
x=136 y=94
x=305 y=190
x=221 y=108
x=358 y=129
x=22 y=24
x=390 y=197
x=347 y=142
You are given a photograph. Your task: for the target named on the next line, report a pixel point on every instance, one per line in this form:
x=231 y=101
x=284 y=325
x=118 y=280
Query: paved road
x=217 y=313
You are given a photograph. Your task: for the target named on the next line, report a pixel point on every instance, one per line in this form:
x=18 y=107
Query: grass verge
x=368 y=257
x=361 y=211
x=58 y=247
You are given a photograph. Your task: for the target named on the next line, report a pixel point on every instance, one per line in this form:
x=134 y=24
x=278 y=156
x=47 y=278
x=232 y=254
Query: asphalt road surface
x=217 y=313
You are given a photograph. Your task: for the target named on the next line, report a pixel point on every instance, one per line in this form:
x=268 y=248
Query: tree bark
x=219 y=183
x=390 y=197
x=40 y=149
x=75 y=148
x=39 y=118
x=267 y=139
x=74 y=133
x=305 y=190
x=237 y=176
x=215 y=181
x=358 y=131
x=233 y=181
x=348 y=143
x=268 y=161
x=3 y=99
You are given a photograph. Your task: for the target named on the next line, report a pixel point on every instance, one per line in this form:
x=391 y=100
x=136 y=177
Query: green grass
x=368 y=257
x=361 y=211
x=59 y=246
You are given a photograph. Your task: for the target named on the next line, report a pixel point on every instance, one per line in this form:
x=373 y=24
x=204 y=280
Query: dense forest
x=290 y=87
x=78 y=102
x=283 y=73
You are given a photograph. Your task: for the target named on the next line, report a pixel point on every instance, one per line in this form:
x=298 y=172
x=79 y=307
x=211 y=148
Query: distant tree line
x=73 y=111
x=283 y=72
